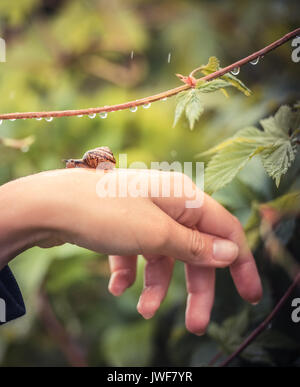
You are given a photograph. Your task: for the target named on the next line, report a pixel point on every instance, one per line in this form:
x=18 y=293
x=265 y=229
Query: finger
x=244 y=271
x=158 y=273
x=213 y=218
x=201 y=291
x=123 y=273
x=196 y=248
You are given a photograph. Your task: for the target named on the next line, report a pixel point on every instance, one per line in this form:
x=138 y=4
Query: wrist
x=20 y=222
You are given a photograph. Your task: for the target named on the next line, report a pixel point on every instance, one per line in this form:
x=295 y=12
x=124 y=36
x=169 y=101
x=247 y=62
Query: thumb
x=197 y=248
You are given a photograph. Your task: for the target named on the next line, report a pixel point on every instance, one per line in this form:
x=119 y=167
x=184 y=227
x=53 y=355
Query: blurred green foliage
x=77 y=54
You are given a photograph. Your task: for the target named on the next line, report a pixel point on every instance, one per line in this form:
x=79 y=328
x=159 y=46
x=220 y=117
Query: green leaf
x=190 y=103
x=212 y=65
x=232 y=155
x=277 y=162
x=276 y=146
x=216 y=84
x=182 y=101
x=194 y=108
x=237 y=83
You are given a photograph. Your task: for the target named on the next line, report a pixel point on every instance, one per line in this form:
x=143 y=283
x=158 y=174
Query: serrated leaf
x=276 y=148
x=216 y=84
x=277 y=162
x=278 y=125
x=182 y=100
x=212 y=65
x=194 y=108
x=237 y=83
x=225 y=165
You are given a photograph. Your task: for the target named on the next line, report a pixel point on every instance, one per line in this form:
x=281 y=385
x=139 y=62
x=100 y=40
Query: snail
x=101 y=158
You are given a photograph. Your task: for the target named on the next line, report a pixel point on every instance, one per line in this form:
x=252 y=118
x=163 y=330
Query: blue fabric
x=11 y=295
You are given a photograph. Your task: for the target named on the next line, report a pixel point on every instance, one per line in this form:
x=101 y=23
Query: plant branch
x=156 y=97
x=264 y=324
x=67 y=345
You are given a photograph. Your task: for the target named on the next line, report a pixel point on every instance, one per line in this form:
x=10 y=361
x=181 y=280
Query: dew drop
x=164 y=99
x=12 y=120
x=133 y=109
x=38 y=118
x=103 y=115
x=80 y=115
x=92 y=115
x=49 y=119
x=147 y=105
x=235 y=71
x=169 y=58
x=255 y=61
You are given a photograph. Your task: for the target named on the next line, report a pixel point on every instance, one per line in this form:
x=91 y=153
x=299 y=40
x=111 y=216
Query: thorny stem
x=264 y=324
x=156 y=97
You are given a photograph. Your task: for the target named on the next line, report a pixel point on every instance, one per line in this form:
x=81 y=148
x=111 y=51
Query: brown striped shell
x=101 y=157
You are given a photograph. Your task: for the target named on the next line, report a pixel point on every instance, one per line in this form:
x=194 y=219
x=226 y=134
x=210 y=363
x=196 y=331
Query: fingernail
x=224 y=250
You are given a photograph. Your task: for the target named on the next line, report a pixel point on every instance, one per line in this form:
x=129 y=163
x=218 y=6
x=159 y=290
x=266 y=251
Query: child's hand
x=62 y=206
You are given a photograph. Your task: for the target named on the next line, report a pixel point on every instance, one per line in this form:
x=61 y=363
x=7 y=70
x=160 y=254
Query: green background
x=77 y=54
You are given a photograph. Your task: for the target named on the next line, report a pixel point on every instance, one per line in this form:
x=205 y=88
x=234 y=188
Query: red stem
x=156 y=97
x=264 y=324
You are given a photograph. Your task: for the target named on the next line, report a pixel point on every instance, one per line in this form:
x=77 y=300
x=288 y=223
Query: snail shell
x=101 y=157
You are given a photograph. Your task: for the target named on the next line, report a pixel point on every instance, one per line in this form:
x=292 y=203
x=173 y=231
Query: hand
x=63 y=206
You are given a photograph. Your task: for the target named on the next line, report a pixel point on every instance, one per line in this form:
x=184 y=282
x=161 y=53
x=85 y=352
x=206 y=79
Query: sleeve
x=11 y=300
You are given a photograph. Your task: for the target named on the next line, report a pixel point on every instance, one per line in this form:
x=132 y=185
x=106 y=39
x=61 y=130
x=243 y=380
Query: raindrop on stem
x=92 y=115
x=103 y=115
x=49 y=119
x=147 y=105
x=133 y=109
x=255 y=61
x=235 y=71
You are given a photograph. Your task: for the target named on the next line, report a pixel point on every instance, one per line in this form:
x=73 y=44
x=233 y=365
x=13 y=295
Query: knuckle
x=197 y=244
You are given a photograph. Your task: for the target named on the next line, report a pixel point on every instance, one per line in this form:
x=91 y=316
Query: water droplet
x=1 y=122
x=164 y=99
x=49 y=119
x=169 y=58
x=133 y=109
x=103 y=115
x=92 y=115
x=235 y=71
x=255 y=61
x=147 y=105
x=132 y=55
x=12 y=120
x=25 y=149
x=80 y=115
x=38 y=118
